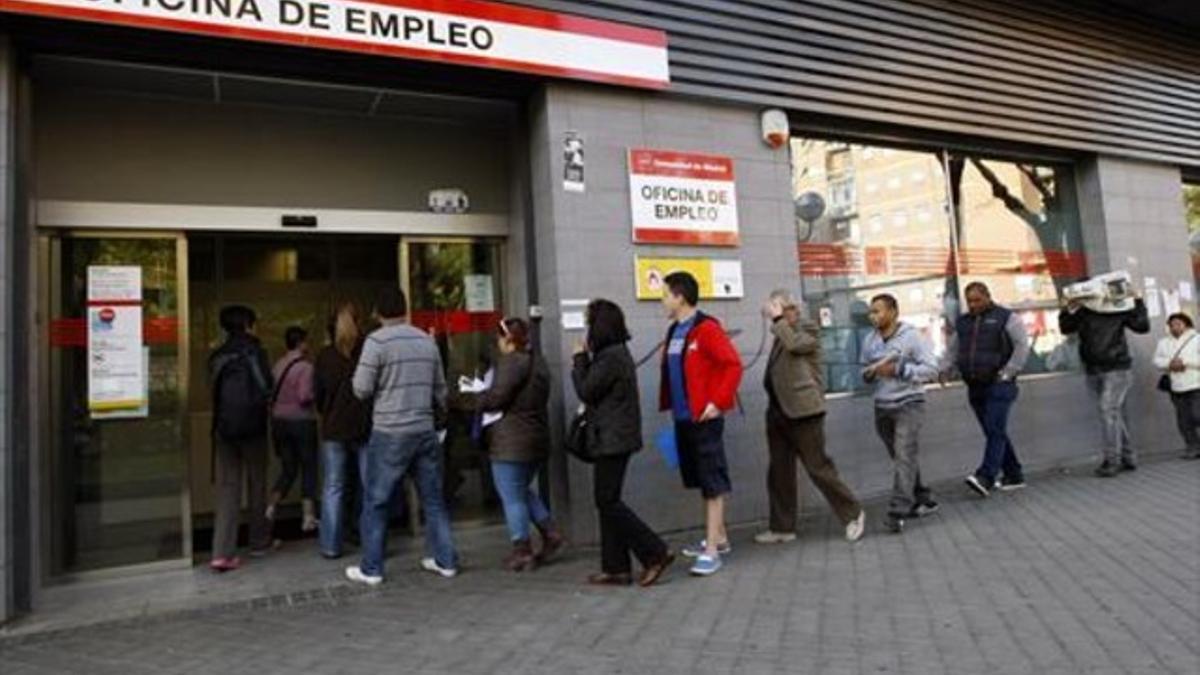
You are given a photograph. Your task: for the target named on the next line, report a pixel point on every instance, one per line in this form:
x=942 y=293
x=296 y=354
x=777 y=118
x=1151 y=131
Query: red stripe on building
x=647 y=235
x=72 y=332
x=454 y=322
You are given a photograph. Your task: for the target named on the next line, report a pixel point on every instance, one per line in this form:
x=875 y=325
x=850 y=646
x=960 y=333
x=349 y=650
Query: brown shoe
x=606 y=579
x=651 y=574
x=552 y=542
x=521 y=559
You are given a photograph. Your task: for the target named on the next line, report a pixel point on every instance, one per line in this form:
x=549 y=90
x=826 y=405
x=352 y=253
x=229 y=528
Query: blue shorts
x=702 y=462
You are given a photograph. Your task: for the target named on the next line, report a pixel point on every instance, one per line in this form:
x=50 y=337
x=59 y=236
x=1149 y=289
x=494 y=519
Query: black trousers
x=621 y=531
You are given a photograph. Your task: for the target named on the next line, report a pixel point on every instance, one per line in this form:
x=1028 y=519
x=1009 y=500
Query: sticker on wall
x=573 y=176
x=718 y=279
x=682 y=198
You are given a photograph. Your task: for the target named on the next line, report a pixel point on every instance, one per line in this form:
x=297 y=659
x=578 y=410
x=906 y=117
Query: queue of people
x=381 y=402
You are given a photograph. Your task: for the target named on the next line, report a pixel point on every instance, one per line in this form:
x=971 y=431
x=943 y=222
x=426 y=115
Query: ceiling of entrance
x=225 y=88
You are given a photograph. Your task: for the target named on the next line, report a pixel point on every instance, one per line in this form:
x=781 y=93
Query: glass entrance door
x=117 y=468
x=455 y=289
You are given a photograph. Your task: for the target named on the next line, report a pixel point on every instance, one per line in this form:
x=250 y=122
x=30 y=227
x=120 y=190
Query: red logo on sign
x=108 y=314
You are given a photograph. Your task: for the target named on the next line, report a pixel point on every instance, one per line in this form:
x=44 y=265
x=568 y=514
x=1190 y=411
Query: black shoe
x=894 y=523
x=1127 y=465
x=925 y=508
x=978 y=485
x=1107 y=470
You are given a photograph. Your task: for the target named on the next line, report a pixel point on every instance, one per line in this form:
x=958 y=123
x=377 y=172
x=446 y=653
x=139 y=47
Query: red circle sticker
x=108 y=314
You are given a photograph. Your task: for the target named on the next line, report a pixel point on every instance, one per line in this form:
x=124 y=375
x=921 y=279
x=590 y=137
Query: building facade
x=290 y=155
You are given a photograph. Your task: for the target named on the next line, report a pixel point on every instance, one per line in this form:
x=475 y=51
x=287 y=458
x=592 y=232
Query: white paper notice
x=113 y=283
x=116 y=369
x=1153 y=306
x=1171 y=304
x=117 y=366
x=481 y=296
x=574 y=314
x=1186 y=291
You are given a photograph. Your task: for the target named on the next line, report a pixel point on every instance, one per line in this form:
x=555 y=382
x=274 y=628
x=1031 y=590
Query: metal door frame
x=50 y=304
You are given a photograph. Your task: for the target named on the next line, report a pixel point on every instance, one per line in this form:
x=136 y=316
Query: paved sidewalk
x=1073 y=575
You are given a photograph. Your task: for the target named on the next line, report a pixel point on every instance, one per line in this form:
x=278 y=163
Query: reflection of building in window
x=1012 y=225
x=1191 y=201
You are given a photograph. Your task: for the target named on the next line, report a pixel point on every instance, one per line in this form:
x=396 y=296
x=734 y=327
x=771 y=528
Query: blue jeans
x=387 y=458
x=992 y=403
x=342 y=491
x=522 y=506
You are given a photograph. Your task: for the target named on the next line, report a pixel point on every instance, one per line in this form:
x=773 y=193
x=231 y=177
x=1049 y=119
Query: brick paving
x=1073 y=575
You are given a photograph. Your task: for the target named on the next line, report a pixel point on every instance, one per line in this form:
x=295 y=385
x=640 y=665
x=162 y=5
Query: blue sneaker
x=696 y=550
x=706 y=565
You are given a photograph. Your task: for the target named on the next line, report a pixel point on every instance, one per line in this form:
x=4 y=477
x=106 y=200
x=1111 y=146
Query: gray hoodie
x=915 y=363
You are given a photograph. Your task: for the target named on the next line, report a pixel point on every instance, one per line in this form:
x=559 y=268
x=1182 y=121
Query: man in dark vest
x=989 y=348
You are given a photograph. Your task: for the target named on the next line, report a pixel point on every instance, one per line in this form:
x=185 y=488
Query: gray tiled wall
x=585 y=251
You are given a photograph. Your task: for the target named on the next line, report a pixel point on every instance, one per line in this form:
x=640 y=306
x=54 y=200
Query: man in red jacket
x=700 y=375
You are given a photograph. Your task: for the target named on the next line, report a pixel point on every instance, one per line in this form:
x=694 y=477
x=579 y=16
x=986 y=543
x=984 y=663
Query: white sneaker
x=354 y=573
x=431 y=565
x=770 y=537
x=856 y=528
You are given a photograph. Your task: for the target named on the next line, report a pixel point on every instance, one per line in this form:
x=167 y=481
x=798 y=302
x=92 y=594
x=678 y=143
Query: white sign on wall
x=116 y=361
x=682 y=198
x=468 y=32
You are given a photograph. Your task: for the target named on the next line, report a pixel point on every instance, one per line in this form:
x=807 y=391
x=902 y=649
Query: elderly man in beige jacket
x=795 y=383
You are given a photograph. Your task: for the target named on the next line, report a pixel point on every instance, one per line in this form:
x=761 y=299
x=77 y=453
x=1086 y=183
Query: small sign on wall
x=718 y=279
x=573 y=176
x=682 y=198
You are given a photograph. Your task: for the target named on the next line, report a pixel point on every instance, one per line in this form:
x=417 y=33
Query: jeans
x=522 y=506
x=1187 y=415
x=900 y=430
x=387 y=458
x=296 y=445
x=341 y=498
x=621 y=531
x=1110 y=391
x=788 y=439
x=992 y=403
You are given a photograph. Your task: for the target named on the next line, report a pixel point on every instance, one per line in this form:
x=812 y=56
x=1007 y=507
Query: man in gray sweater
x=400 y=371
x=899 y=361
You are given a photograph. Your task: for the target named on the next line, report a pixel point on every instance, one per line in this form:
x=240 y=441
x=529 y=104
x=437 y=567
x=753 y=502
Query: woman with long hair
x=605 y=380
x=345 y=426
x=518 y=443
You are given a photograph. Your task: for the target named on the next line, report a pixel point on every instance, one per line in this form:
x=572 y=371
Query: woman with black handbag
x=605 y=380
x=1178 y=357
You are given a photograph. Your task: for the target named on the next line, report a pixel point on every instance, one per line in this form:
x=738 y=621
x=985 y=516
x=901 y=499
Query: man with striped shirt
x=400 y=372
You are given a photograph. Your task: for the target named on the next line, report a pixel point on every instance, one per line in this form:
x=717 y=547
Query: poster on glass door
x=116 y=358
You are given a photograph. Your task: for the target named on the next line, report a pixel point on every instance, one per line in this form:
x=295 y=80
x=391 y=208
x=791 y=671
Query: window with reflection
x=921 y=225
x=1191 y=205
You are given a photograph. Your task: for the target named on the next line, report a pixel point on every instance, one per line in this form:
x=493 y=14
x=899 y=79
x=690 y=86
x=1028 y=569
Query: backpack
x=240 y=397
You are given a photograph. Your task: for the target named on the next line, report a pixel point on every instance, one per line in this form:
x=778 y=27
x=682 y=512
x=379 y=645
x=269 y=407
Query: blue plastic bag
x=664 y=440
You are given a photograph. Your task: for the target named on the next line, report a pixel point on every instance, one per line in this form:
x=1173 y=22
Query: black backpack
x=240 y=396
